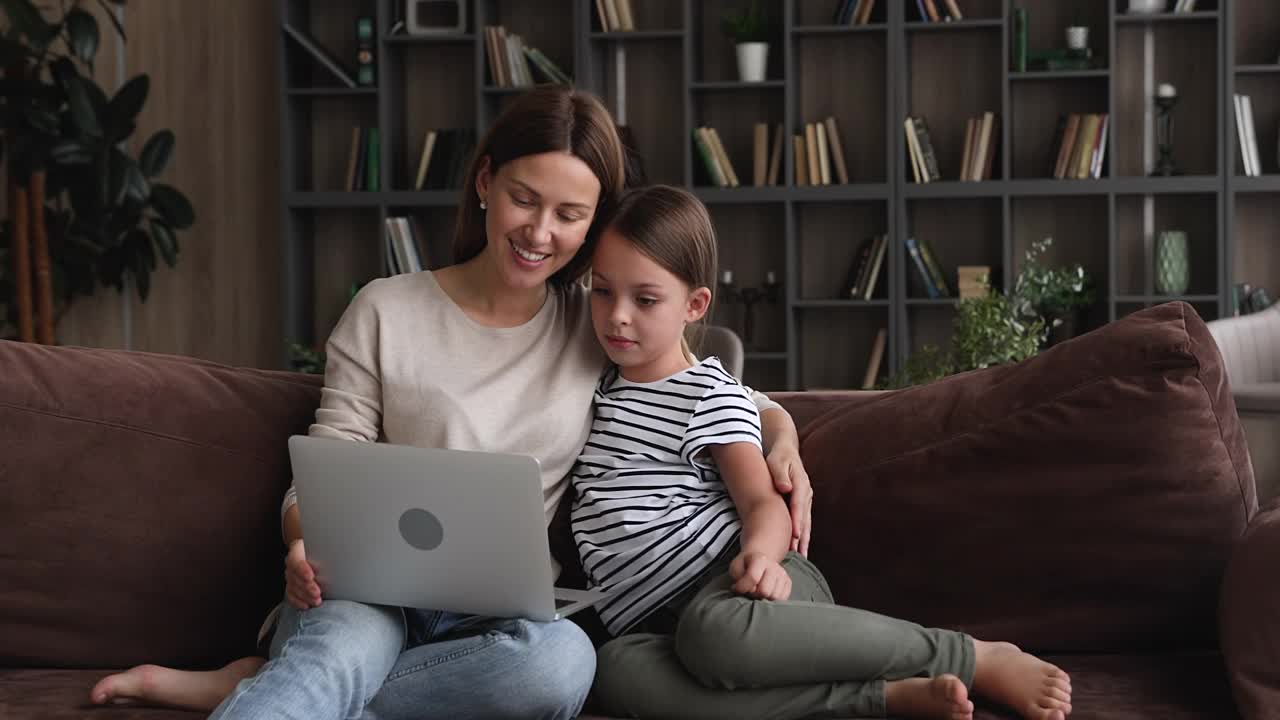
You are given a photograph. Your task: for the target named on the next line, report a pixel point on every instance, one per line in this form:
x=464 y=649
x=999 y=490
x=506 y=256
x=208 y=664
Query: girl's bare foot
x=155 y=685
x=940 y=698
x=1026 y=684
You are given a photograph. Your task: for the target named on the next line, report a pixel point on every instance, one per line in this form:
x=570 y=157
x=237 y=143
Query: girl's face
x=639 y=310
x=539 y=210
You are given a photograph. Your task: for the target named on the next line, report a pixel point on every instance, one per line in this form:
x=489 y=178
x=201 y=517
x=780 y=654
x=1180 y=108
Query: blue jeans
x=350 y=660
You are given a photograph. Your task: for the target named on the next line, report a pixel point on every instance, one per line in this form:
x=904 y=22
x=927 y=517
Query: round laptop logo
x=421 y=529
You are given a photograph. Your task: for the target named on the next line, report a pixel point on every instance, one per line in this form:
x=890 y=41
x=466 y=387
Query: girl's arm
x=766 y=525
x=782 y=445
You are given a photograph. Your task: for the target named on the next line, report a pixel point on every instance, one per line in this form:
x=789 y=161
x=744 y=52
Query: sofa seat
x=1257 y=397
x=1112 y=687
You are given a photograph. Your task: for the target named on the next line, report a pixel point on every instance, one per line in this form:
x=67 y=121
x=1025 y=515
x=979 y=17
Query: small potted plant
x=1056 y=295
x=749 y=30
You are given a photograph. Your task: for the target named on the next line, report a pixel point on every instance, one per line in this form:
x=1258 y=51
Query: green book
x=374 y=166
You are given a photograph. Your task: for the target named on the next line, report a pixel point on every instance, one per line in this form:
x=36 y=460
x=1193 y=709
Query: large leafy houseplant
x=1053 y=294
x=83 y=211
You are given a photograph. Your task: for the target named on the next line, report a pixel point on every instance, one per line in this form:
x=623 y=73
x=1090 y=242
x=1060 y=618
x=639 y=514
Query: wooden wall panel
x=213 y=77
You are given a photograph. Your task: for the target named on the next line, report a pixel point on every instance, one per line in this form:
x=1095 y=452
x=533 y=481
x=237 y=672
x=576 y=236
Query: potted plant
x=83 y=210
x=1058 y=296
x=749 y=30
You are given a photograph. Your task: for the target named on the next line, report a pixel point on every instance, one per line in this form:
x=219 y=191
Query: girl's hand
x=758 y=576
x=789 y=476
x=301 y=588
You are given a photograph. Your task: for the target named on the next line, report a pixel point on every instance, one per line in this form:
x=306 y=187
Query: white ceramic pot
x=753 y=58
x=1078 y=37
x=1147 y=7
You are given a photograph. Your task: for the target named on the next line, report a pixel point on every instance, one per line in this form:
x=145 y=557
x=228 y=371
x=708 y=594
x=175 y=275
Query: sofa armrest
x=1249 y=618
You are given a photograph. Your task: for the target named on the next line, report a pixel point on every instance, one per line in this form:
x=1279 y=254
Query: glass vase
x=1173 y=266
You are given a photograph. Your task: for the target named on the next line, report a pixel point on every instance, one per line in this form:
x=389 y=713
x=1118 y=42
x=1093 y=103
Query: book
x=362 y=162
x=876 y=357
x=321 y=55
x=913 y=150
x=811 y=147
x=928 y=158
x=775 y=156
x=424 y=160
x=836 y=145
x=801 y=162
x=877 y=260
x=353 y=160
x=967 y=158
x=973 y=281
x=913 y=249
x=366 y=56
x=854 y=276
x=824 y=162
x=702 y=142
x=1019 y=43
x=760 y=154
x=935 y=269
x=722 y=156
x=626 y=22
x=374 y=165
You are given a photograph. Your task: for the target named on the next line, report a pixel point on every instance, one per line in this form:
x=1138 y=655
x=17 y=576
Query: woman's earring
x=483 y=206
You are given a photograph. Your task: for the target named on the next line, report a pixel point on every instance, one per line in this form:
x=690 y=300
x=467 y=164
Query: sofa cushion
x=140 y=512
x=1084 y=500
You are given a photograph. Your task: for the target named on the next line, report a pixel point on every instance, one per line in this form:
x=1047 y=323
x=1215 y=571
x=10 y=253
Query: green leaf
x=141 y=277
x=83 y=30
x=155 y=154
x=166 y=241
x=140 y=244
x=82 y=113
x=172 y=205
x=41 y=118
x=123 y=108
x=70 y=152
x=26 y=20
x=136 y=186
x=116 y=177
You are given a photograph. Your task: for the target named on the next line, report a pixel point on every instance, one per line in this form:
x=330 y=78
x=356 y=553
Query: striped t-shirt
x=651 y=512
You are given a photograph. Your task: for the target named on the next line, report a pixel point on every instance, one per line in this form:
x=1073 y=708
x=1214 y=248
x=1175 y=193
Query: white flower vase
x=753 y=58
x=1078 y=37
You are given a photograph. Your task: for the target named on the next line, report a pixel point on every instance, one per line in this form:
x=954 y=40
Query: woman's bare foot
x=155 y=685
x=1026 y=684
x=940 y=698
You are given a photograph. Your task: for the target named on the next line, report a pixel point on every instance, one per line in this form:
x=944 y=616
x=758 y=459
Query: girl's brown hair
x=549 y=118
x=671 y=227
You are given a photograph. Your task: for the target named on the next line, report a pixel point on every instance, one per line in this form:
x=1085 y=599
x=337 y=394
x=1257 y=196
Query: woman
x=493 y=353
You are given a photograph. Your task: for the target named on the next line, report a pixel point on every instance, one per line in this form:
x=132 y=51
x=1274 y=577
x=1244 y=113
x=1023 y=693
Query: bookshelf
x=675 y=72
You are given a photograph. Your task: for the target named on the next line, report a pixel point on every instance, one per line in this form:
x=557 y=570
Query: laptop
x=427 y=528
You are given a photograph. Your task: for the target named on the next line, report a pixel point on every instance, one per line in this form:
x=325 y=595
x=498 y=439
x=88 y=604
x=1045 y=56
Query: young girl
x=676 y=516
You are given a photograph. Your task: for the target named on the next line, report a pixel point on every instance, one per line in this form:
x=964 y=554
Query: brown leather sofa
x=1095 y=504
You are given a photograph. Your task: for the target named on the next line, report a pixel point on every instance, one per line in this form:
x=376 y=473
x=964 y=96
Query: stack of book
x=401 y=247
x=615 y=15
x=852 y=12
x=1248 y=137
x=860 y=283
x=1081 y=146
x=820 y=154
x=926 y=263
x=939 y=10
x=981 y=141
x=510 y=60
x=714 y=158
x=442 y=164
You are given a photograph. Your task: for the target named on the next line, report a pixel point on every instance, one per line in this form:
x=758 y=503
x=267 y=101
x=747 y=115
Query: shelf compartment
x=830 y=239
x=1256 y=255
x=936 y=62
x=821 y=93
x=958 y=232
x=836 y=347
x=1197 y=215
x=1078 y=226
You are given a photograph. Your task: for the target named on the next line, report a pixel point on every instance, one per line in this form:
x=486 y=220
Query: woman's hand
x=301 y=588
x=758 y=576
x=789 y=476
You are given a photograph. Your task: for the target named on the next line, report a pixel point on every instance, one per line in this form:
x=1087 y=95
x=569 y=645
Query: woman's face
x=539 y=210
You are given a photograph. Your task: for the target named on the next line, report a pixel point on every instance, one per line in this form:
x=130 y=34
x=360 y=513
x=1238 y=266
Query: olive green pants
x=734 y=657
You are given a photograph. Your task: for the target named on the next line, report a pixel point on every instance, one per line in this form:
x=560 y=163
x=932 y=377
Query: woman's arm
x=782 y=445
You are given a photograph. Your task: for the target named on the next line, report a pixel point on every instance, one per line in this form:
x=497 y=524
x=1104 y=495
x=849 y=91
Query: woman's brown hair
x=671 y=227
x=549 y=118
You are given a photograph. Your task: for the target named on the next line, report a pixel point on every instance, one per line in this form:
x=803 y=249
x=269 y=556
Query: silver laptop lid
x=427 y=528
